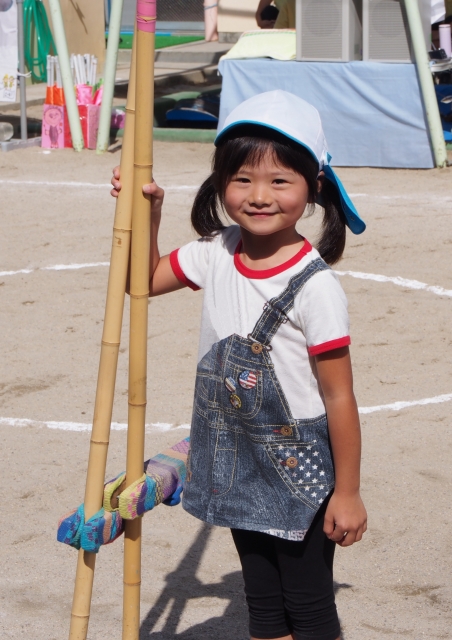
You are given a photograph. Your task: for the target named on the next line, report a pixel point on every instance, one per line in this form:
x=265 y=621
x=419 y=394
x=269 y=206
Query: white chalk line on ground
x=400 y=282
x=56 y=267
x=164 y=426
x=89 y=185
x=83 y=426
x=397 y=406
x=397 y=280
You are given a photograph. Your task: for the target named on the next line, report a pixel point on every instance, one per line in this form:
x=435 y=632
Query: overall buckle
x=281 y=314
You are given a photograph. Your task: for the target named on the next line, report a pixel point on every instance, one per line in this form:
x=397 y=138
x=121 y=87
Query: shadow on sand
x=182 y=585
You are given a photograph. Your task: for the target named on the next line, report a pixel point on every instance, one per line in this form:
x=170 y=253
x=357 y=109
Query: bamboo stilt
x=111 y=337
x=139 y=294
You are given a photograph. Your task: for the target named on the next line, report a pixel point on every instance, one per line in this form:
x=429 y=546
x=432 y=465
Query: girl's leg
x=306 y=570
x=263 y=589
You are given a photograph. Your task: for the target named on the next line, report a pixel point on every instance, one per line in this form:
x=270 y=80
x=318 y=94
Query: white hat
x=300 y=121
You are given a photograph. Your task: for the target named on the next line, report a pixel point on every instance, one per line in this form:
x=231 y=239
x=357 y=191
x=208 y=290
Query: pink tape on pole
x=146 y=15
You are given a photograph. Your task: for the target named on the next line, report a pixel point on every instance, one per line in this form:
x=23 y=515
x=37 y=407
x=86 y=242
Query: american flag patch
x=248 y=379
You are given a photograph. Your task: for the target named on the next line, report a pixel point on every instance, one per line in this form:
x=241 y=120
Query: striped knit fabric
x=102 y=528
x=162 y=481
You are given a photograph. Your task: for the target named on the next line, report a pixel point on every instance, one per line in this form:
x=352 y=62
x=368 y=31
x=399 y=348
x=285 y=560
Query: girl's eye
x=279 y=181
x=242 y=180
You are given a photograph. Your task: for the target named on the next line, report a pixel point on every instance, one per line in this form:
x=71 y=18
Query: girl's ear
x=320 y=181
x=319 y=185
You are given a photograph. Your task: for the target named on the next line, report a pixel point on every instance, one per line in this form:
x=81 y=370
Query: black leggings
x=289 y=585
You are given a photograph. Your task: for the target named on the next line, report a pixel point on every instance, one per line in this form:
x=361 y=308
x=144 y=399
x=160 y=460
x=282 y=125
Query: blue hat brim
x=354 y=222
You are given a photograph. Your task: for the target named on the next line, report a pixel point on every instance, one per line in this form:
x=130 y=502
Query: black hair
x=248 y=145
x=270 y=12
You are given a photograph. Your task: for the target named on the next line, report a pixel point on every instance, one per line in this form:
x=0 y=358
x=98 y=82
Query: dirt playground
x=57 y=218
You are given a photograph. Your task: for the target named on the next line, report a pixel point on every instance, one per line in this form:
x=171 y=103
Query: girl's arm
x=345 y=517
x=161 y=276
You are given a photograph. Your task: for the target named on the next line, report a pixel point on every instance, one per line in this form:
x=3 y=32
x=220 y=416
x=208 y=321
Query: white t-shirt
x=234 y=297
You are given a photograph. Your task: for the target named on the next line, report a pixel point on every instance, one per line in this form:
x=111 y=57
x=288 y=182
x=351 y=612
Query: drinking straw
x=74 y=79
x=78 y=70
x=114 y=30
x=93 y=70
x=108 y=364
x=58 y=73
x=139 y=300
x=63 y=55
x=87 y=59
x=49 y=90
x=78 y=73
x=49 y=67
x=81 y=64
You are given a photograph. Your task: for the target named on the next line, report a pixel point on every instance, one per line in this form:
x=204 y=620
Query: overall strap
x=276 y=310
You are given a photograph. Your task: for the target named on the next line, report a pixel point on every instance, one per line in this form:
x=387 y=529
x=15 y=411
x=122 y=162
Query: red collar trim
x=261 y=274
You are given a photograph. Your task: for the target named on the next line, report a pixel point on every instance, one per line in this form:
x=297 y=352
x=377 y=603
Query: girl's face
x=267 y=198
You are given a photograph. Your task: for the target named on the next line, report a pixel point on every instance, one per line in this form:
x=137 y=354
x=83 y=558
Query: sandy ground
x=395 y=584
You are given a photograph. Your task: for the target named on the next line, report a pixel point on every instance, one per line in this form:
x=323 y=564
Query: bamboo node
x=110 y=344
x=99 y=442
x=75 y=615
x=142 y=166
x=132 y=584
x=119 y=230
x=137 y=404
x=138 y=297
x=129 y=110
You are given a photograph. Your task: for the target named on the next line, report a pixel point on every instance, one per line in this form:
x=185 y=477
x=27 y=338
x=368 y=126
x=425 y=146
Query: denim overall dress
x=252 y=465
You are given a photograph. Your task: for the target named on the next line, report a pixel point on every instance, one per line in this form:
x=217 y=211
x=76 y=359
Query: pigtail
x=331 y=244
x=204 y=213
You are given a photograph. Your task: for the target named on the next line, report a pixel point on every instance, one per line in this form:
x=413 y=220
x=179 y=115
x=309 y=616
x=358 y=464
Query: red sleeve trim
x=177 y=270
x=329 y=346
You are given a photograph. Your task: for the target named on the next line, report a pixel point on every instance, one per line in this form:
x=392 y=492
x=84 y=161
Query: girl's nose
x=260 y=196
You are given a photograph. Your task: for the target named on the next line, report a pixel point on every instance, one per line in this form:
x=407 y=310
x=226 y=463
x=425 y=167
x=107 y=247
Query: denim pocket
x=224 y=460
x=305 y=467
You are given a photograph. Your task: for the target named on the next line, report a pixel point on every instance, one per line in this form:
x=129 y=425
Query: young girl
x=275 y=437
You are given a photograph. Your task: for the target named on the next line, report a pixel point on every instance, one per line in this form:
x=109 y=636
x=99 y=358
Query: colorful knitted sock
x=109 y=489
x=70 y=527
x=162 y=481
x=131 y=499
x=103 y=528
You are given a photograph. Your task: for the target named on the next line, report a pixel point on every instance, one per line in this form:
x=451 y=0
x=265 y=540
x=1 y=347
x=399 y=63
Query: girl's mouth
x=260 y=214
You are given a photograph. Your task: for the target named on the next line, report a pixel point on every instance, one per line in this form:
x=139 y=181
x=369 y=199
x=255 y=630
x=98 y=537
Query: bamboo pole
x=111 y=336
x=426 y=82
x=114 y=32
x=139 y=299
x=66 y=74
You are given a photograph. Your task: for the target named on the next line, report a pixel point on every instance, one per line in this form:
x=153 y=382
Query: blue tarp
x=372 y=112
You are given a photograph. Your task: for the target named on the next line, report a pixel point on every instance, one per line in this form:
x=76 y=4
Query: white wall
x=236 y=16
